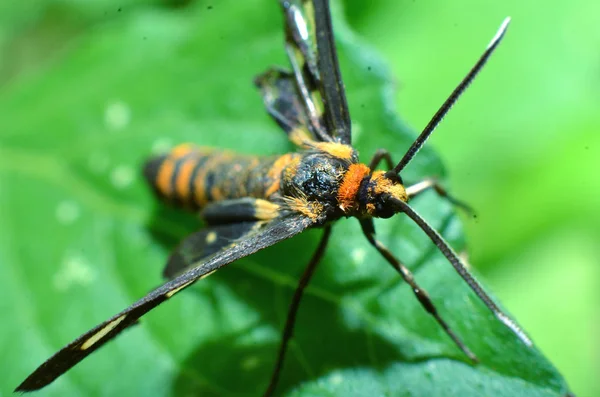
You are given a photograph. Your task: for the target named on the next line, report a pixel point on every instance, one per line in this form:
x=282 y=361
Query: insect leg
x=381 y=154
x=432 y=183
x=420 y=187
x=369 y=230
x=293 y=310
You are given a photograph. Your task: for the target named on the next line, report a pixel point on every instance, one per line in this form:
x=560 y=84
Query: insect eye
x=384 y=210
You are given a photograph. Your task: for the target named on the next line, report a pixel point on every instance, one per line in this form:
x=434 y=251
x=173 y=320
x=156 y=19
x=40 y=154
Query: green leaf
x=82 y=237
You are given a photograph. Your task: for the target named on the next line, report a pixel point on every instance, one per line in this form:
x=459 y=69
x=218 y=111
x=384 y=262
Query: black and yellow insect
x=250 y=203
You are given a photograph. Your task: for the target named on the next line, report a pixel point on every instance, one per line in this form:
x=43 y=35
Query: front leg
x=381 y=154
x=419 y=187
x=293 y=310
x=432 y=183
x=368 y=229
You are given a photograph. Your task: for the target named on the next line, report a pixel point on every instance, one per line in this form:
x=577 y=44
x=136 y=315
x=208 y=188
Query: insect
x=250 y=203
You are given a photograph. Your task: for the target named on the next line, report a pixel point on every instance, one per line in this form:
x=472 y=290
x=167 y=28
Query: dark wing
x=311 y=50
x=204 y=243
x=300 y=46
x=229 y=221
x=337 y=115
x=267 y=235
x=283 y=102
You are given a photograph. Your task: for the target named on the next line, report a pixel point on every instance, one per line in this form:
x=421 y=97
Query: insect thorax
x=328 y=185
x=315 y=177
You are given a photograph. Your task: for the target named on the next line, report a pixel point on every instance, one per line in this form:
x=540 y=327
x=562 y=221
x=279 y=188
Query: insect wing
x=282 y=100
x=300 y=35
x=204 y=243
x=309 y=33
x=337 y=115
x=268 y=234
x=302 y=53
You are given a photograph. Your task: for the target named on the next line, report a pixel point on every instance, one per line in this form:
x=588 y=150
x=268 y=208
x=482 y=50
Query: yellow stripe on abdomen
x=192 y=177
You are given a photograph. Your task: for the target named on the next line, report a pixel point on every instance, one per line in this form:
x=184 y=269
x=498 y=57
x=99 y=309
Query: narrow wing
x=300 y=46
x=337 y=115
x=229 y=221
x=311 y=50
x=266 y=235
x=205 y=243
x=283 y=102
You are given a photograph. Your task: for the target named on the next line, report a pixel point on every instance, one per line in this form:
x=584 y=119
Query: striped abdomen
x=193 y=176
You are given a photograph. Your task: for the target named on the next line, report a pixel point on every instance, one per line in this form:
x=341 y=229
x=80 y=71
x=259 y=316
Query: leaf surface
x=82 y=237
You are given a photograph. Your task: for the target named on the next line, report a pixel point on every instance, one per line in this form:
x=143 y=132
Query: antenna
x=462 y=270
x=439 y=115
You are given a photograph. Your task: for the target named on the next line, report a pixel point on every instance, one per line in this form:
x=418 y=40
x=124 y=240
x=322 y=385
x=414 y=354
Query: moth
x=249 y=203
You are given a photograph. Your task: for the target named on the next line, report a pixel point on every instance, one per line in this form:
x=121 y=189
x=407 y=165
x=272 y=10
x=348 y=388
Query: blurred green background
x=522 y=146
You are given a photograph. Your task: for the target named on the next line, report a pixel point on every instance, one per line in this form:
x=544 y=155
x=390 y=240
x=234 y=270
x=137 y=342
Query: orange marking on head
x=182 y=183
x=381 y=183
x=337 y=150
x=385 y=185
x=350 y=184
x=163 y=177
x=371 y=209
